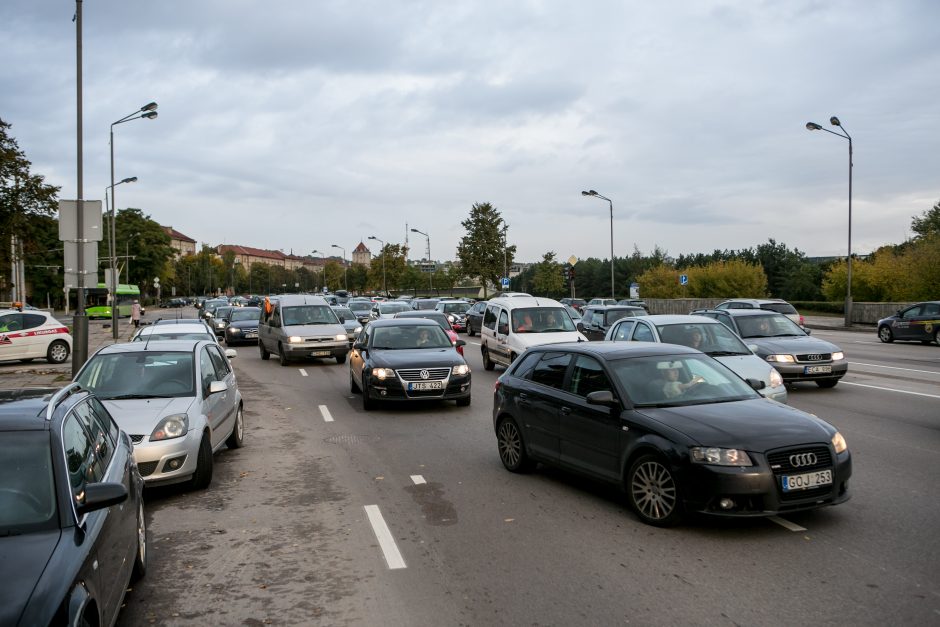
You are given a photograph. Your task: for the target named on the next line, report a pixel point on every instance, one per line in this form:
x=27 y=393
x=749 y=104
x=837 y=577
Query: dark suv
x=597 y=319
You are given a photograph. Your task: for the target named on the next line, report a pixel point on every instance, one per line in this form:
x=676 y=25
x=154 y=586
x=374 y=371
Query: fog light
x=726 y=504
x=174 y=464
x=383 y=392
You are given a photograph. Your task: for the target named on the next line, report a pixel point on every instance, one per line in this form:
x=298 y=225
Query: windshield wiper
x=124 y=397
x=724 y=353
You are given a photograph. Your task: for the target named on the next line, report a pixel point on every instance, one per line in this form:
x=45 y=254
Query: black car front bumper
x=392 y=389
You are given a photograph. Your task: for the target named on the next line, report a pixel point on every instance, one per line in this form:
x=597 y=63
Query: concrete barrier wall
x=862 y=313
x=871 y=313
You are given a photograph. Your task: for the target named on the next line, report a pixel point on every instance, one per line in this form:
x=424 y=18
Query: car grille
x=414 y=374
x=319 y=340
x=146 y=469
x=780 y=465
x=813 y=357
x=137 y=439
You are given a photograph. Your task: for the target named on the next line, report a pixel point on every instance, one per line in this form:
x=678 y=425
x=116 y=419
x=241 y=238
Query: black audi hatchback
x=72 y=527
x=677 y=430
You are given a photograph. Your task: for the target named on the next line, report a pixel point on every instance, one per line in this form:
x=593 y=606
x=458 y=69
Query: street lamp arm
x=810 y=126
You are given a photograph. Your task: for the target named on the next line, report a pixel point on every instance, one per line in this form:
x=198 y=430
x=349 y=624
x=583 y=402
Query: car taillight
x=802 y=321
x=496 y=386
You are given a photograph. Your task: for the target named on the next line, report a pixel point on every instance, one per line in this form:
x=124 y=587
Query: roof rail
x=60 y=396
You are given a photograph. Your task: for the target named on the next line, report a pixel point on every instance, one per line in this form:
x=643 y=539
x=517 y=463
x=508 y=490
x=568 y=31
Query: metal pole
x=848 y=278
x=80 y=319
x=431 y=268
x=611 y=248
x=505 y=253
x=113 y=283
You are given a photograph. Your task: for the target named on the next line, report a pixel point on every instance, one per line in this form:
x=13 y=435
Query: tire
x=512 y=447
x=237 y=438
x=827 y=383
x=281 y=356
x=203 y=475
x=653 y=492
x=368 y=404
x=470 y=329
x=341 y=359
x=140 y=558
x=936 y=337
x=885 y=334
x=352 y=384
x=58 y=352
x=265 y=355
x=512 y=357
x=487 y=362
x=463 y=402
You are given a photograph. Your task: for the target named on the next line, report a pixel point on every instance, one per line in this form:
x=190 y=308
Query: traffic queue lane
x=481 y=545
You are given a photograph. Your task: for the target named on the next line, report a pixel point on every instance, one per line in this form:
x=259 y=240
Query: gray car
x=349 y=320
x=301 y=326
x=787 y=346
x=709 y=336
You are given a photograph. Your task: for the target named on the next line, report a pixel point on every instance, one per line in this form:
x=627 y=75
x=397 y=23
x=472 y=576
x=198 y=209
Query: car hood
x=140 y=416
x=747 y=366
x=351 y=325
x=415 y=358
x=792 y=345
x=753 y=425
x=22 y=561
x=244 y=324
x=538 y=339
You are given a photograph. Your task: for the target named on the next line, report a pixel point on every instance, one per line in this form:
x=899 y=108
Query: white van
x=300 y=326
x=511 y=325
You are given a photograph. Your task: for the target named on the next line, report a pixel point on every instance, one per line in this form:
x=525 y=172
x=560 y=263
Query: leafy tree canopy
x=483 y=252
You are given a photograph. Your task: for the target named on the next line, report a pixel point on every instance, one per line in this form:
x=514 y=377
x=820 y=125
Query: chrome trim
x=60 y=396
x=799 y=460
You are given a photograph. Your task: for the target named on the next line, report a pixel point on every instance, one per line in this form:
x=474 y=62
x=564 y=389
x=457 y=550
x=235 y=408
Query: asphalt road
x=289 y=531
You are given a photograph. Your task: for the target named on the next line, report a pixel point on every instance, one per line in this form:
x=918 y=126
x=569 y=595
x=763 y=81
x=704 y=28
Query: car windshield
x=716 y=340
x=393 y=308
x=541 y=320
x=344 y=314
x=410 y=337
x=223 y=312
x=309 y=314
x=425 y=304
x=677 y=380
x=360 y=305
x=138 y=374
x=167 y=333
x=245 y=313
x=771 y=325
x=27 y=489
x=456 y=307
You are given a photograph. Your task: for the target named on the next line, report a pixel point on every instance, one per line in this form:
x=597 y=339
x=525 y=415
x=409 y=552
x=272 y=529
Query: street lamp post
x=812 y=126
x=596 y=195
x=345 y=283
x=112 y=253
x=147 y=112
x=384 y=288
x=431 y=273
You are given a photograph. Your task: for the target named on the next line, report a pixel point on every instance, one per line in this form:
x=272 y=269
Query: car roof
x=26 y=409
x=751 y=312
x=681 y=319
x=181 y=346
x=411 y=321
x=422 y=313
x=519 y=302
x=617 y=350
x=615 y=308
x=163 y=321
x=181 y=328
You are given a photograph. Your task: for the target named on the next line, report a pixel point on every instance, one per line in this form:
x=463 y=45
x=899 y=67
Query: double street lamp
x=112 y=254
x=596 y=195
x=430 y=266
x=384 y=289
x=345 y=283
x=812 y=126
x=146 y=112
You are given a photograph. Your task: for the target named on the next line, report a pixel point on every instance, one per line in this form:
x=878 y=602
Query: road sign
x=91 y=222
x=505 y=282
x=683 y=279
x=156 y=279
x=90 y=251
x=572 y=260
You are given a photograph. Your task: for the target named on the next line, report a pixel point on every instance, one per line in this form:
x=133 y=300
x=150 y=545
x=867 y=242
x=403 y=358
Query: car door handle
x=566 y=410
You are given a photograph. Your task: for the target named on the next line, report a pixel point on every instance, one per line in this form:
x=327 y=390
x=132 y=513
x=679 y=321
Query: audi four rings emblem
x=425 y=374
x=803 y=459
x=814 y=358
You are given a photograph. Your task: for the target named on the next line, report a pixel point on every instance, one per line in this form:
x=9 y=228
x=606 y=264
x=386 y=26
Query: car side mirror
x=217 y=386
x=753 y=348
x=460 y=343
x=756 y=384
x=101 y=495
x=580 y=326
x=231 y=353
x=807 y=331
x=603 y=397
x=361 y=346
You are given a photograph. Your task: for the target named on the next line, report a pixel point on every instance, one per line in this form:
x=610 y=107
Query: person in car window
x=695 y=339
x=424 y=338
x=526 y=325
x=672 y=386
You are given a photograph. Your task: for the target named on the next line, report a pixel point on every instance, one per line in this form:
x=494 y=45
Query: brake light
x=802 y=321
x=496 y=386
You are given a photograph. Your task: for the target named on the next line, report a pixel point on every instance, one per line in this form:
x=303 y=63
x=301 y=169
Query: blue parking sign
x=683 y=279
x=505 y=281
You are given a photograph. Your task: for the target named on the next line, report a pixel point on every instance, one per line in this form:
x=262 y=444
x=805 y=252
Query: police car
x=32 y=334
x=920 y=323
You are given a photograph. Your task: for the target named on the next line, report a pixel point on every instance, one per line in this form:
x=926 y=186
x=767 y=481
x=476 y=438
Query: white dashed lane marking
x=786 y=524
x=325 y=411
x=858 y=363
x=392 y=555
x=418 y=479
x=876 y=387
x=303 y=372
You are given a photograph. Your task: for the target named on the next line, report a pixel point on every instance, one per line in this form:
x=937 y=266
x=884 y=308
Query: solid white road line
x=392 y=556
x=786 y=524
x=858 y=363
x=325 y=411
x=418 y=479
x=303 y=372
x=876 y=387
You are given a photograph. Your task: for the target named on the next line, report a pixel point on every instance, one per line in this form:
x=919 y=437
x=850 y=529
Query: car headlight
x=220 y=324
x=295 y=339
x=341 y=336
x=785 y=359
x=462 y=369
x=775 y=379
x=357 y=330
x=836 y=356
x=382 y=373
x=838 y=443
x=720 y=456
x=234 y=330
x=175 y=426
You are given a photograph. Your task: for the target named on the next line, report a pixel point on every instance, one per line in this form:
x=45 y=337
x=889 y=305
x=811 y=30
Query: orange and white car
x=33 y=334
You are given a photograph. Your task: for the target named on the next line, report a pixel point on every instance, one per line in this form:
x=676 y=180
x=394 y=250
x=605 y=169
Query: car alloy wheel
x=58 y=352
x=265 y=355
x=140 y=560
x=885 y=335
x=487 y=362
x=511 y=447
x=653 y=491
x=237 y=438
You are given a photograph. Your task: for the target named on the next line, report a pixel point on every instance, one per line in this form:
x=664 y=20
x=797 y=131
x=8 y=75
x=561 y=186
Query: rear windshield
x=308 y=314
x=169 y=334
x=784 y=308
x=245 y=313
x=616 y=314
x=391 y=308
x=456 y=307
x=426 y=304
x=27 y=500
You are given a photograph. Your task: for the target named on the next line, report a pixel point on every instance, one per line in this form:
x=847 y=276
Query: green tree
x=928 y=223
x=548 y=279
x=148 y=247
x=333 y=276
x=357 y=278
x=394 y=257
x=720 y=279
x=483 y=252
x=660 y=281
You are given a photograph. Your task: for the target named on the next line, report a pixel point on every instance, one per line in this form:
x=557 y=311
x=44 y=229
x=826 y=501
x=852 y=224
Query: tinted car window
x=541 y=320
x=623 y=332
x=219 y=362
x=26 y=470
x=308 y=314
x=31 y=321
x=784 y=308
x=642 y=334
x=489 y=318
x=410 y=337
x=11 y=322
x=587 y=376
x=207 y=370
x=104 y=419
x=80 y=458
x=526 y=364
x=100 y=433
x=550 y=369
x=617 y=314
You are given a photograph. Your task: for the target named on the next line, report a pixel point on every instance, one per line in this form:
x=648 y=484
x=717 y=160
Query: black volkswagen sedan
x=677 y=430
x=72 y=527
x=242 y=327
x=405 y=359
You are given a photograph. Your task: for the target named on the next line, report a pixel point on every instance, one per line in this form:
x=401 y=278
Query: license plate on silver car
x=817 y=370
x=320 y=353
x=806 y=481
x=426 y=385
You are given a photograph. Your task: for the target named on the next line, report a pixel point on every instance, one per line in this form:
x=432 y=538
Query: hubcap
x=653 y=490
x=510 y=445
x=239 y=424
x=141 y=534
x=58 y=353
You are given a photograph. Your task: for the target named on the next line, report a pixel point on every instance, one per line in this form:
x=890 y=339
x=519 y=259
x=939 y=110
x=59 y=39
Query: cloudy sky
x=298 y=124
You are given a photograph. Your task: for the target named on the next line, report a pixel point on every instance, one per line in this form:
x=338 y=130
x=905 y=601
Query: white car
x=33 y=334
x=164 y=332
x=178 y=401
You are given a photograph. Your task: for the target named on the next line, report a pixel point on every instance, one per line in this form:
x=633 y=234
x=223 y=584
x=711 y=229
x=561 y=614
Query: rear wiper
x=123 y=397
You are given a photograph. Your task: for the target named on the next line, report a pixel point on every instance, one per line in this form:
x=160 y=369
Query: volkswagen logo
x=814 y=358
x=803 y=459
x=425 y=374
